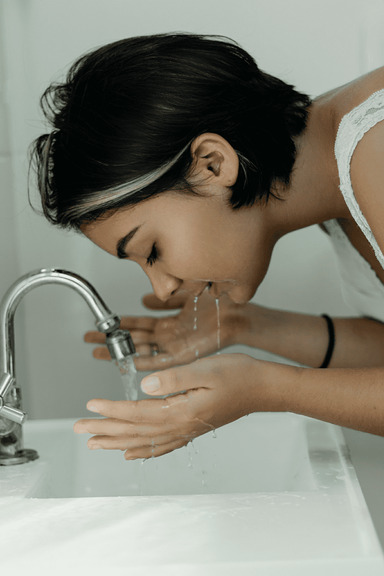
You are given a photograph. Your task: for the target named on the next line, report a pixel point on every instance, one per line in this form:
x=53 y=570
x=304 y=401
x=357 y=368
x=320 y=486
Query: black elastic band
x=331 y=342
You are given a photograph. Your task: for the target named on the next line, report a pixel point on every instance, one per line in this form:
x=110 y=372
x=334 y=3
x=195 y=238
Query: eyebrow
x=122 y=243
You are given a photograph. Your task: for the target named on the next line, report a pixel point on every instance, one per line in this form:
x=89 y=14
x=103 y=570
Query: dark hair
x=125 y=118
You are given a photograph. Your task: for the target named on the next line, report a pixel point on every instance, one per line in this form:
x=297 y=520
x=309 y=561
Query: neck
x=313 y=194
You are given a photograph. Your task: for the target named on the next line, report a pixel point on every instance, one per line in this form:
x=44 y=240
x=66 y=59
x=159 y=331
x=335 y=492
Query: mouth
x=215 y=289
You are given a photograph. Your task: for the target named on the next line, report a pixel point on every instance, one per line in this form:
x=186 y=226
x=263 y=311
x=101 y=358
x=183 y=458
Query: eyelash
x=153 y=256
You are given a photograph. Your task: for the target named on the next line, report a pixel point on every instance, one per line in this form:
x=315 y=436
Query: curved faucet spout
x=10 y=398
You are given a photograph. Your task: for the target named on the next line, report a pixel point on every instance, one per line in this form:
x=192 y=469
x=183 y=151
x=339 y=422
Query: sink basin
x=259 y=453
x=270 y=493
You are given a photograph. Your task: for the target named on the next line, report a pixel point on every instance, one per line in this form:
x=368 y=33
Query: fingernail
x=150 y=384
x=92 y=408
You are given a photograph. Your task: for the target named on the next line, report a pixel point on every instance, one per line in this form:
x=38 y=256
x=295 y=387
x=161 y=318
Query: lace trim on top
x=352 y=128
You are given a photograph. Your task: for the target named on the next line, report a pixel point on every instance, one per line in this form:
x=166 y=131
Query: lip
x=207 y=287
x=216 y=289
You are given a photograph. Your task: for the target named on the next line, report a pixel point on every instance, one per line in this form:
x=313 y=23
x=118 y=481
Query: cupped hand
x=180 y=338
x=204 y=396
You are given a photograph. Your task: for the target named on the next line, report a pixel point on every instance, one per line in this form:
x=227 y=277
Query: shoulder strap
x=352 y=128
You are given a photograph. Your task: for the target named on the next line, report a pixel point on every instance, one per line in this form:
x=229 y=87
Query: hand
x=181 y=338
x=206 y=395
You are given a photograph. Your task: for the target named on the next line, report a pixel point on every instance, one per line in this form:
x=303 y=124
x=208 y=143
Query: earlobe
x=214 y=157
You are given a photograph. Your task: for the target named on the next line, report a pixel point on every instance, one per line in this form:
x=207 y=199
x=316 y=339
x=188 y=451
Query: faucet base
x=20 y=457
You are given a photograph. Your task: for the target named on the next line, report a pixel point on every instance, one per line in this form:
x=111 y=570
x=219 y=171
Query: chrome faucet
x=119 y=343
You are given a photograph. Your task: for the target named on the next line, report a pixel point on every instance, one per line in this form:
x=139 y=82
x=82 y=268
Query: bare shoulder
x=348 y=96
x=367 y=177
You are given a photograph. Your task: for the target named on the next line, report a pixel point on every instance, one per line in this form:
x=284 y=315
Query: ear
x=214 y=160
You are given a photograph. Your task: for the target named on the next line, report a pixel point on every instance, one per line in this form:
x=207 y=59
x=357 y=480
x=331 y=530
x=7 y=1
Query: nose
x=164 y=285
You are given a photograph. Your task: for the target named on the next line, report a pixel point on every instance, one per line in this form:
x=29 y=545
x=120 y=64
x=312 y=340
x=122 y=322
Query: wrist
x=242 y=323
x=278 y=386
x=235 y=324
x=253 y=325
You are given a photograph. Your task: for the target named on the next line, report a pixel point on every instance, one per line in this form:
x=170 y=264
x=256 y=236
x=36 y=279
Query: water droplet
x=195 y=300
x=190 y=458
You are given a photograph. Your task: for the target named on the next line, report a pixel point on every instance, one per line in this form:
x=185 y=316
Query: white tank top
x=362 y=289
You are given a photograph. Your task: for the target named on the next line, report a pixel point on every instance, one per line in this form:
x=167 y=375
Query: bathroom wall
x=313 y=45
x=297 y=41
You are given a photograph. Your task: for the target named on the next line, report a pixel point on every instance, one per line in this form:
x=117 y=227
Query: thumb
x=174 y=380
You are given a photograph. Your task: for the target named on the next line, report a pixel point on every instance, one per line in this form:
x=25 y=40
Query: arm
x=300 y=337
x=215 y=391
x=304 y=338
x=353 y=398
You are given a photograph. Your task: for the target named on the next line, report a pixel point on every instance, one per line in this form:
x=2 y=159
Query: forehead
x=107 y=230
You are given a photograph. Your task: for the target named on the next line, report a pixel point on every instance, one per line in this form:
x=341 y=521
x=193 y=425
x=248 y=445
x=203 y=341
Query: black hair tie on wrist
x=331 y=341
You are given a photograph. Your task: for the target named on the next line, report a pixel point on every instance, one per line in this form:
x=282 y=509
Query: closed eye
x=153 y=255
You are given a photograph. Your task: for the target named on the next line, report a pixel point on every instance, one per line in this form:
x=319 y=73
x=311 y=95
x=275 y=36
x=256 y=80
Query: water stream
x=129 y=378
x=195 y=301
x=218 y=324
x=131 y=387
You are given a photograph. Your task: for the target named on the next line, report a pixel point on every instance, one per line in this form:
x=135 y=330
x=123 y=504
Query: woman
x=175 y=151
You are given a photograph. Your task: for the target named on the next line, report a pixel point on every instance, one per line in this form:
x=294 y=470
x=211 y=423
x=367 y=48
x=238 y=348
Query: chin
x=241 y=295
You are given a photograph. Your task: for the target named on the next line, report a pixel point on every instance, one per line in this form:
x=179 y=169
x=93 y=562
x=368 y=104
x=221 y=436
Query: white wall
x=314 y=45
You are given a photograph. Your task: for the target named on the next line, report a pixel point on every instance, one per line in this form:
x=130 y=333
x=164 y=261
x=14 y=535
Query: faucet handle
x=9 y=412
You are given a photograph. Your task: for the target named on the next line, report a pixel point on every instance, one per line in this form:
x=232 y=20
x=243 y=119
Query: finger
x=153 y=303
x=155 y=450
x=105 y=426
x=138 y=323
x=142 y=336
x=108 y=442
x=149 y=349
x=161 y=361
x=138 y=336
x=173 y=380
x=145 y=349
x=101 y=353
x=94 y=337
x=142 y=411
x=143 y=363
x=143 y=447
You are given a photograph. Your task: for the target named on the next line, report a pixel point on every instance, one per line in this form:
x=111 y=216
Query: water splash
x=129 y=378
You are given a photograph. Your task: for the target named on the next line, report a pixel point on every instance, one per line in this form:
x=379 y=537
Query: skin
x=211 y=244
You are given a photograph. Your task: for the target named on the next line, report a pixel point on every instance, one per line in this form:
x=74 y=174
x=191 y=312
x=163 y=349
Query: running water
x=218 y=324
x=195 y=301
x=129 y=378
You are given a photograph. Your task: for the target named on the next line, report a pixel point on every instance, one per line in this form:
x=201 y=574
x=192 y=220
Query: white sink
x=270 y=494
x=260 y=453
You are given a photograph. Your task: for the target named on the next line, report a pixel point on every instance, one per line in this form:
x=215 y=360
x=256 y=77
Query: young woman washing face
x=176 y=152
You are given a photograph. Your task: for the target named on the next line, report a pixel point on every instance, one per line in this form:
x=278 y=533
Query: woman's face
x=187 y=243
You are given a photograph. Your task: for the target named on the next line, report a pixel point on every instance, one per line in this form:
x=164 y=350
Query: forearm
x=348 y=397
x=304 y=338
